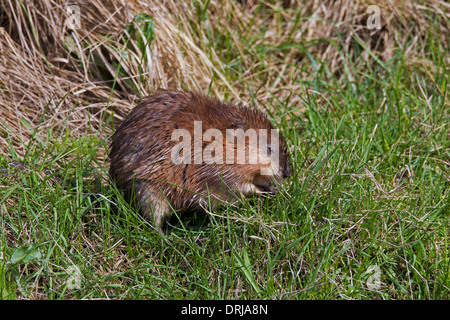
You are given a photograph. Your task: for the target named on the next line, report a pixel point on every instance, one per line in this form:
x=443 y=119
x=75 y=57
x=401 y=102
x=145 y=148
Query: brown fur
x=141 y=161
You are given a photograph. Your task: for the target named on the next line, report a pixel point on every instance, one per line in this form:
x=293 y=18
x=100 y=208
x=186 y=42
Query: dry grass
x=51 y=76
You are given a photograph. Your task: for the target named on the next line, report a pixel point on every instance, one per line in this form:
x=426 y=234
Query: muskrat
x=158 y=173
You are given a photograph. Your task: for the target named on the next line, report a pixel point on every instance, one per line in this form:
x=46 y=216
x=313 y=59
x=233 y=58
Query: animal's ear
x=239 y=124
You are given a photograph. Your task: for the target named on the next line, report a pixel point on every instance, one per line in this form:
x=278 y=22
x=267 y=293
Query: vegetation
x=365 y=113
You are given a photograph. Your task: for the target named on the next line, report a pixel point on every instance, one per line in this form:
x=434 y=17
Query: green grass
x=370 y=188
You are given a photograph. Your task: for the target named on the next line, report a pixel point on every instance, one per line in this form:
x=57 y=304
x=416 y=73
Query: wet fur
x=141 y=161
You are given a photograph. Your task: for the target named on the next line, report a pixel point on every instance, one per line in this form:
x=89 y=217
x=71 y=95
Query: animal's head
x=259 y=153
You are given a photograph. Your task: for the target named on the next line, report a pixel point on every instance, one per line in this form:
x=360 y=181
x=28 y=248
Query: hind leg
x=152 y=204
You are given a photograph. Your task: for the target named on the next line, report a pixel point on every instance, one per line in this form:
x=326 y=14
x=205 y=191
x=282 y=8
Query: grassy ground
x=365 y=215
